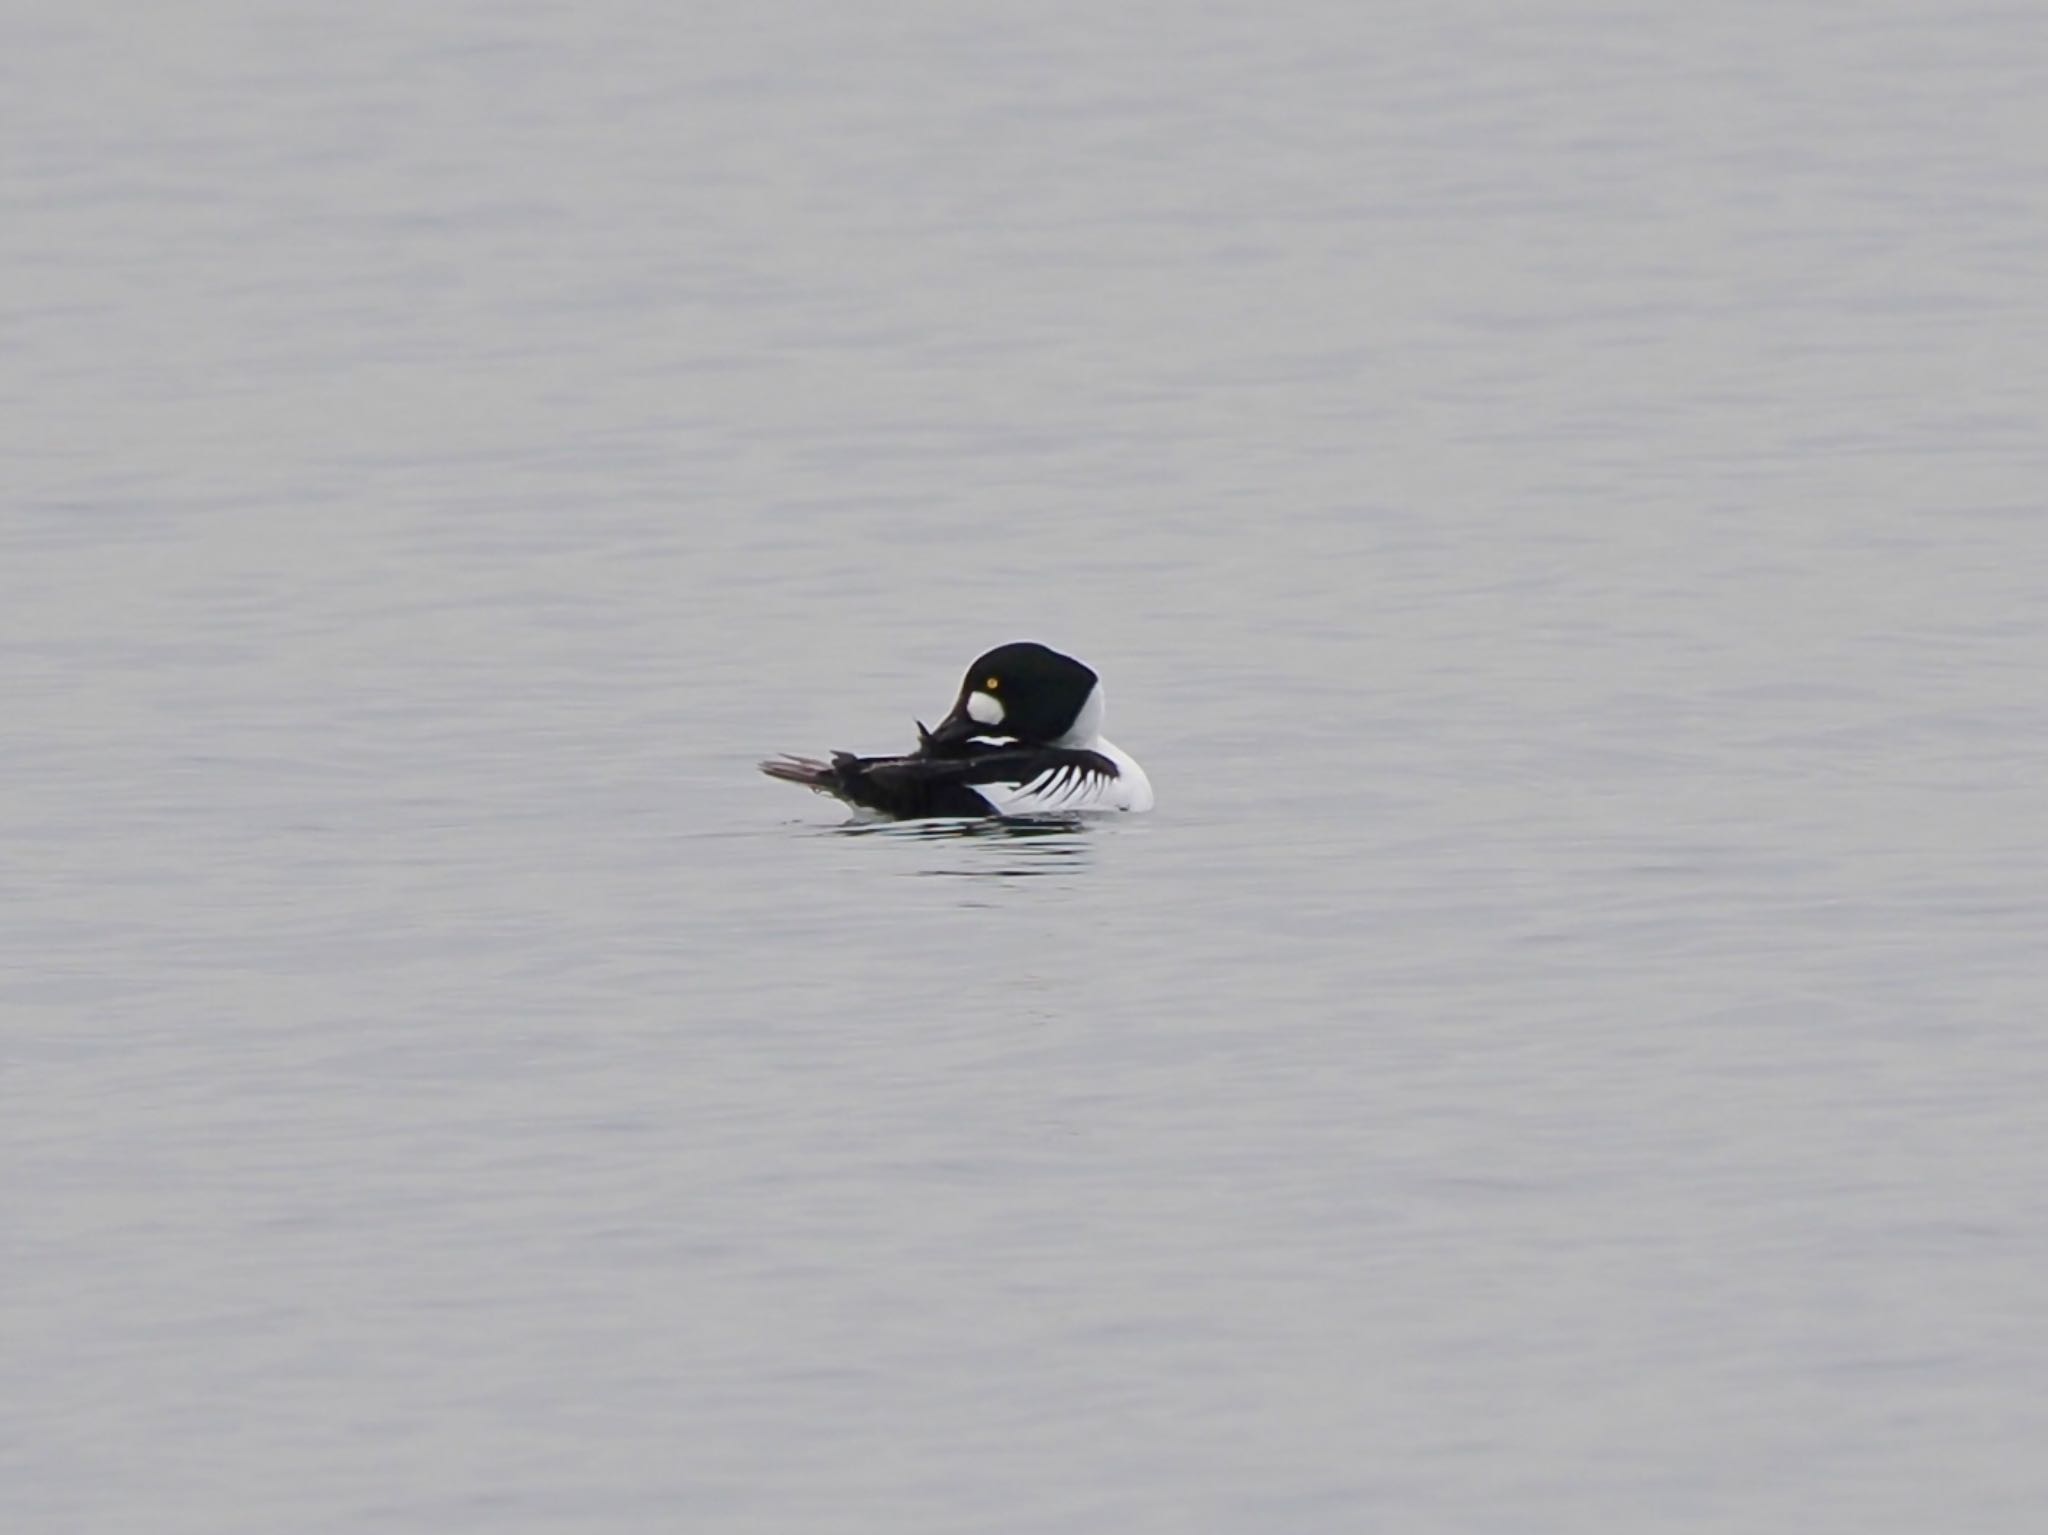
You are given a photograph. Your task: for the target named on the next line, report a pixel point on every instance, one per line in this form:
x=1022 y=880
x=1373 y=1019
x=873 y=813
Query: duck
x=1023 y=738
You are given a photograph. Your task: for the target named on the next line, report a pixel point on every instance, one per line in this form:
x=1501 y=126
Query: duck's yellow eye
x=993 y=683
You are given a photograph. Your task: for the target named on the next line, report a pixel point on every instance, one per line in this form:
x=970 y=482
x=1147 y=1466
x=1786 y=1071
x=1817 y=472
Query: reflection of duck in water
x=1024 y=738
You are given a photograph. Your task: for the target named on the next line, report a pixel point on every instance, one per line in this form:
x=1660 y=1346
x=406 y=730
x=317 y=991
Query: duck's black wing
x=1017 y=780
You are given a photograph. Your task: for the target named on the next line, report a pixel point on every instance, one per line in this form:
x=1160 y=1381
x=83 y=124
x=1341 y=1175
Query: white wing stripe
x=1067 y=787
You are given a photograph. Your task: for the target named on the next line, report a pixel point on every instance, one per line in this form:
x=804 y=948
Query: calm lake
x=1556 y=497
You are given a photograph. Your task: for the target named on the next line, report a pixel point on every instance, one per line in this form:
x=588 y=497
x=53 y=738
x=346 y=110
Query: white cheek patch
x=984 y=709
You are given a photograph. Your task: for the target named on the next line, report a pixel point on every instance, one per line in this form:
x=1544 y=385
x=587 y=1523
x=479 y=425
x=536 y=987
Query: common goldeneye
x=1024 y=738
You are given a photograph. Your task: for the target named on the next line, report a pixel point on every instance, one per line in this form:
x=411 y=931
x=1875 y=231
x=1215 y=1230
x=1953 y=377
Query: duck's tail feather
x=808 y=771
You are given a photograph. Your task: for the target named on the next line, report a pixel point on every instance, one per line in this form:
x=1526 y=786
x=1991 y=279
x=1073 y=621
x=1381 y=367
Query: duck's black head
x=1028 y=693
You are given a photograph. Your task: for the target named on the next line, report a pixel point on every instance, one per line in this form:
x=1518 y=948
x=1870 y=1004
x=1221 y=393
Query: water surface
x=1557 y=501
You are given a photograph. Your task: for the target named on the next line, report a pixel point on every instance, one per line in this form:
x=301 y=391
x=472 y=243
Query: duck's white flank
x=1062 y=790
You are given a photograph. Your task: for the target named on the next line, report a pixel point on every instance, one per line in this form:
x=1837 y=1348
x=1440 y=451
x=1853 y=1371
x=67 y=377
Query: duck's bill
x=956 y=729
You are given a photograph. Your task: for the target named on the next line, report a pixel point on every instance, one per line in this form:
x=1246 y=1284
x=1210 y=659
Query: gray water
x=1556 y=494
